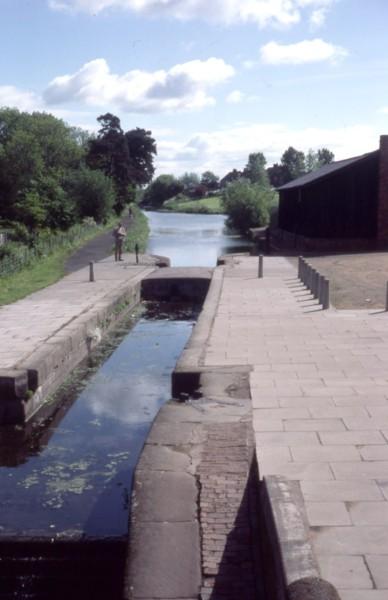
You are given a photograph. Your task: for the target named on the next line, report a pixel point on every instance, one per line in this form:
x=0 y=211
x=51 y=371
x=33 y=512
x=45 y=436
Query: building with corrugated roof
x=343 y=204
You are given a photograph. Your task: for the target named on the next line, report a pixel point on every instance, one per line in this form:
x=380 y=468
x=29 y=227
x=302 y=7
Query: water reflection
x=75 y=475
x=192 y=240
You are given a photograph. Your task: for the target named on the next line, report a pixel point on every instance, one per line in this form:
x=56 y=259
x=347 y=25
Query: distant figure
x=130 y=212
x=119 y=234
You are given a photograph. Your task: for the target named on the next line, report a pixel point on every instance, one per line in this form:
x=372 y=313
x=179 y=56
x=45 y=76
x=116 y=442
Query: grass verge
x=210 y=206
x=50 y=269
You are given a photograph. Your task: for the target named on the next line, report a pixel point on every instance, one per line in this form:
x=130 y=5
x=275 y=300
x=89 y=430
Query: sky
x=213 y=80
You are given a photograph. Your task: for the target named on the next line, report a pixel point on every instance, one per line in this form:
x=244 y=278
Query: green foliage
x=127 y=158
x=92 y=194
x=181 y=203
x=255 y=169
x=247 y=205
x=35 y=151
x=317 y=159
x=294 y=164
x=138 y=232
x=210 y=180
x=189 y=180
x=234 y=175
x=160 y=190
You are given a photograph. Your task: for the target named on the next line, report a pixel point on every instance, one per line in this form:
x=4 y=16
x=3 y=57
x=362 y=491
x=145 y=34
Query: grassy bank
x=138 y=232
x=210 y=206
x=49 y=269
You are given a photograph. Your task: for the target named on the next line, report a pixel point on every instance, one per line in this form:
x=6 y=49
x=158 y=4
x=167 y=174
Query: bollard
x=304 y=272
x=309 y=276
x=300 y=266
x=319 y=288
x=325 y=294
x=137 y=253
x=313 y=276
x=91 y=271
x=316 y=283
x=260 y=266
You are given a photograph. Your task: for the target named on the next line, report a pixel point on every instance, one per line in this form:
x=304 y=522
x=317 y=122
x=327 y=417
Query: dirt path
x=356 y=280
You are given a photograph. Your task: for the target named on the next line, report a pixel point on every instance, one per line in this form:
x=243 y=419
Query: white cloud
x=235 y=97
x=307 y=51
x=249 y=64
x=21 y=99
x=223 y=150
x=263 y=12
x=318 y=17
x=184 y=86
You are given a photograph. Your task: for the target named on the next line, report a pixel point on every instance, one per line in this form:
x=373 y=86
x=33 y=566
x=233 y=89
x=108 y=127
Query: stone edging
x=24 y=388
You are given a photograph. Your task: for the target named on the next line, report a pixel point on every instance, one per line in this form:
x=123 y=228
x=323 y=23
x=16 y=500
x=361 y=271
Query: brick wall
x=382 y=209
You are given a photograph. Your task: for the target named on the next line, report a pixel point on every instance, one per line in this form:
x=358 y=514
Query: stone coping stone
x=294 y=566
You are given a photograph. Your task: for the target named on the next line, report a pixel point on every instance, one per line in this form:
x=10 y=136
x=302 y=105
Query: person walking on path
x=119 y=234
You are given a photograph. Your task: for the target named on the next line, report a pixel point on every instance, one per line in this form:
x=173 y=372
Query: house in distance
x=343 y=205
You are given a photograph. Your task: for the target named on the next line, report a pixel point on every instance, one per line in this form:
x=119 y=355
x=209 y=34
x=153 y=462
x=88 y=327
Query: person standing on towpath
x=119 y=234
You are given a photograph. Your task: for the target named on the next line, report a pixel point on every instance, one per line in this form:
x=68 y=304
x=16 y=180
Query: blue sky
x=212 y=79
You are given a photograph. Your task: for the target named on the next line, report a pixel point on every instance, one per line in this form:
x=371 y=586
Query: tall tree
x=189 y=180
x=317 y=159
x=125 y=157
x=142 y=149
x=234 y=175
x=255 y=169
x=162 y=188
x=210 y=180
x=294 y=161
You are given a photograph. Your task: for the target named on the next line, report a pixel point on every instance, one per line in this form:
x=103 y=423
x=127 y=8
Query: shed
x=343 y=203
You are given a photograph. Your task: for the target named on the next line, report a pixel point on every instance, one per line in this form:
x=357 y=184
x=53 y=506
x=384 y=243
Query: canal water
x=192 y=240
x=71 y=478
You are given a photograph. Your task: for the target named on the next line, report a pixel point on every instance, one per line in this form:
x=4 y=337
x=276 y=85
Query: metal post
x=260 y=265
x=137 y=253
x=91 y=271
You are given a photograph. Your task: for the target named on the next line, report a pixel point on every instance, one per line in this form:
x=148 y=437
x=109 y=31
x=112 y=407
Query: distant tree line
x=249 y=195
x=53 y=175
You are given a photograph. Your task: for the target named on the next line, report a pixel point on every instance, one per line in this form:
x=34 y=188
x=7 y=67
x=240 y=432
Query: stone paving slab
x=29 y=322
x=45 y=335
x=320 y=411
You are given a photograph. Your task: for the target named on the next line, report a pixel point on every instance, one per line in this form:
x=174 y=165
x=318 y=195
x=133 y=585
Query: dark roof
x=325 y=171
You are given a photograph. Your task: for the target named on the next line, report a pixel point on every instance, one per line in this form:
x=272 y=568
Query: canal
x=68 y=482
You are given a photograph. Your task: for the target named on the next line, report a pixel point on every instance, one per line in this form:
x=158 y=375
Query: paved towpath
x=31 y=322
x=319 y=385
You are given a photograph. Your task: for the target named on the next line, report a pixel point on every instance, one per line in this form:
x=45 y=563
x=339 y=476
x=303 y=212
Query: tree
x=210 y=180
x=92 y=194
x=234 y=175
x=255 y=169
x=142 y=148
x=278 y=175
x=294 y=163
x=317 y=159
x=247 y=205
x=189 y=180
x=35 y=151
x=127 y=158
x=163 y=188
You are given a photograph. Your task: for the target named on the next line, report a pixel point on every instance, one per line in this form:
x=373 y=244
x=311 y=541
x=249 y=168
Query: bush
x=92 y=194
x=247 y=205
